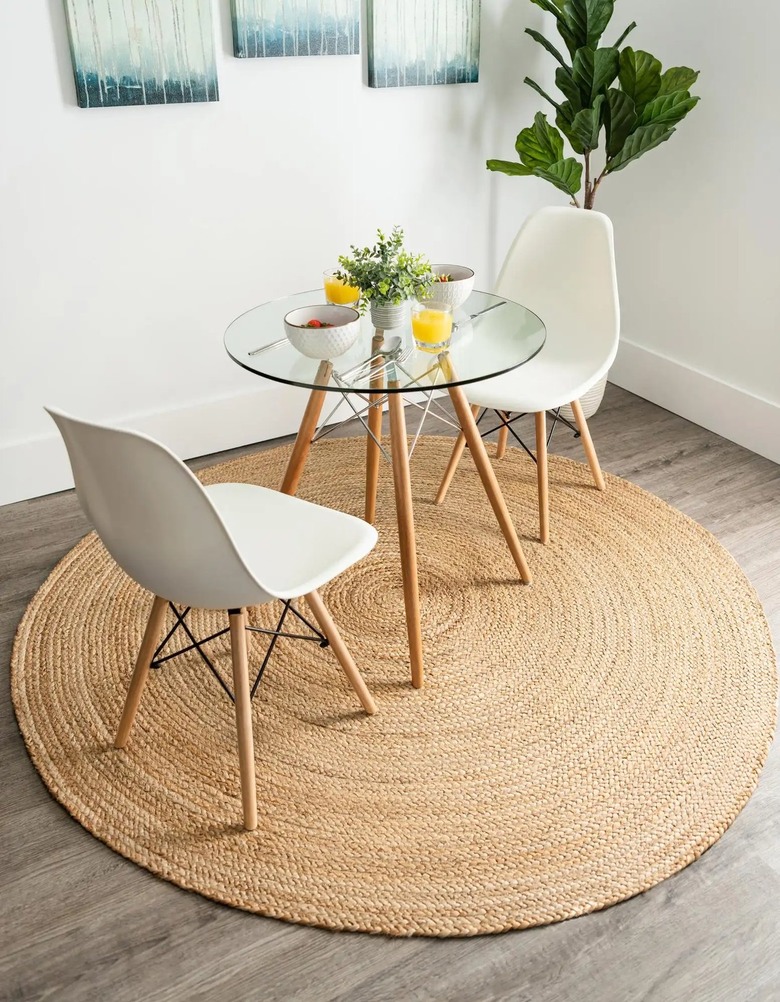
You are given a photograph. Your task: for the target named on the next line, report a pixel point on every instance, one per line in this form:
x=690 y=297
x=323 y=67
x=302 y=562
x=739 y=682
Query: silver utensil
x=388 y=347
x=266 y=347
x=473 y=316
x=365 y=371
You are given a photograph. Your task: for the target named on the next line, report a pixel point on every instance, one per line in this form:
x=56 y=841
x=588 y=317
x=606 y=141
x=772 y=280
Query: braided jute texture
x=576 y=742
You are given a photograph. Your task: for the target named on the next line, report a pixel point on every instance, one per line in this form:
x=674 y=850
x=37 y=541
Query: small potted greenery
x=388 y=277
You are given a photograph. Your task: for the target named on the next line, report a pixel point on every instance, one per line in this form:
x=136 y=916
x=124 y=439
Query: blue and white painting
x=296 y=27
x=413 y=43
x=142 y=51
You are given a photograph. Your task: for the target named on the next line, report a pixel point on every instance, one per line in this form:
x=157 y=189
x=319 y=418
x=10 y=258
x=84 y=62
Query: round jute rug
x=576 y=742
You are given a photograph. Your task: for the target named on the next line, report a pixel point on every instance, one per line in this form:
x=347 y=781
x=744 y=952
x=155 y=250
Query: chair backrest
x=153 y=515
x=562 y=266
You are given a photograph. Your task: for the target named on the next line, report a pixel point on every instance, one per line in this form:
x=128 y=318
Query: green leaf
x=565 y=122
x=625 y=35
x=620 y=119
x=539 y=37
x=587 y=19
x=535 y=86
x=640 y=76
x=587 y=125
x=566 y=84
x=641 y=141
x=540 y=145
x=668 y=109
x=509 y=167
x=593 y=71
x=677 y=78
x=564 y=174
x=550 y=6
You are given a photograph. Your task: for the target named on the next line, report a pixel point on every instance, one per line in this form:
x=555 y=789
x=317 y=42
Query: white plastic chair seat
x=562 y=267
x=227 y=546
x=550 y=380
x=293 y=546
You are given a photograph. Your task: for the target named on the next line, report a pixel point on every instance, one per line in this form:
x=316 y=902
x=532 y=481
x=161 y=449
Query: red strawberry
x=314 y=323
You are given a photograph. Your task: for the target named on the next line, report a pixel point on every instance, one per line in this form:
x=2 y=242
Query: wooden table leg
x=405 y=514
x=373 y=454
x=306 y=431
x=488 y=477
x=455 y=458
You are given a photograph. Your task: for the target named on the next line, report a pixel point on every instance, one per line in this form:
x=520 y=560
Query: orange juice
x=337 y=292
x=432 y=328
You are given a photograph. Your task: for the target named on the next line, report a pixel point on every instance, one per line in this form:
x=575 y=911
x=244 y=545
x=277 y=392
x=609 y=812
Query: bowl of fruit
x=452 y=284
x=322 y=331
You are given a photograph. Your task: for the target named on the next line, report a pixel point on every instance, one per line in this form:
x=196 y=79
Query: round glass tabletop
x=490 y=336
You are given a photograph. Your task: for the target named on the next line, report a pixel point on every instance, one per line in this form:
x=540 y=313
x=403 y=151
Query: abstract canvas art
x=411 y=43
x=296 y=27
x=142 y=51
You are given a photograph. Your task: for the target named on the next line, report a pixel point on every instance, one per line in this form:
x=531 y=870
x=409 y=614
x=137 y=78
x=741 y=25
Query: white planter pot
x=386 y=316
x=591 y=401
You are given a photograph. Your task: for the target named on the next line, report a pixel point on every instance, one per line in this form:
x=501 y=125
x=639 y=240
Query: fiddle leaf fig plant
x=616 y=103
x=387 y=272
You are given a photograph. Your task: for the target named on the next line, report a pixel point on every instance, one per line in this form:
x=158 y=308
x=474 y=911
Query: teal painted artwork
x=142 y=52
x=412 y=43
x=295 y=28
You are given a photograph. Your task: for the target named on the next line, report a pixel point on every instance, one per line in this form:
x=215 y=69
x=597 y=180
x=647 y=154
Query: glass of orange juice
x=339 y=292
x=432 y=325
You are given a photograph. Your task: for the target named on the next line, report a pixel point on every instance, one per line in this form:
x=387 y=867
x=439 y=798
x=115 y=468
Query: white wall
x=132 y=236
x=697 y=223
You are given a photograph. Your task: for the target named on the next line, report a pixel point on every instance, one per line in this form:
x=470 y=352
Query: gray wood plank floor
x=79 y=922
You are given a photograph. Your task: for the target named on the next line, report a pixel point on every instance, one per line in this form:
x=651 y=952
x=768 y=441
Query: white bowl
x=322 y=342
x=454 y=292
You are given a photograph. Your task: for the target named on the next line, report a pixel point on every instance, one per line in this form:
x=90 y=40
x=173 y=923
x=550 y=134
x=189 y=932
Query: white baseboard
x=40 y=466
x=734 y=413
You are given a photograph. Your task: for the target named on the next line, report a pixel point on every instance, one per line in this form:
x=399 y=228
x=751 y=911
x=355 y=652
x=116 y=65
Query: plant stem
x=588 y=190
x=595 y=187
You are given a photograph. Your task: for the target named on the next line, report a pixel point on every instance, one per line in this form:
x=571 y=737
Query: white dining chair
x=227 y=546
x=562 y=267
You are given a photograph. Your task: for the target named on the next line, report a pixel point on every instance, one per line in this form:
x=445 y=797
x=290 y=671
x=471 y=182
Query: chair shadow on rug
x=227 y=546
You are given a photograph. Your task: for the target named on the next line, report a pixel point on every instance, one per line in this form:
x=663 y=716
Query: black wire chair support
x=180 y=624
x=506 y=422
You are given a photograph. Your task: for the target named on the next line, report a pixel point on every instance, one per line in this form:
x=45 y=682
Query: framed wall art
x=142 y=51
x=411 y=43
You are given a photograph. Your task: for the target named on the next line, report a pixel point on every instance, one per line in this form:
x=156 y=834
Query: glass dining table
x=491 y=336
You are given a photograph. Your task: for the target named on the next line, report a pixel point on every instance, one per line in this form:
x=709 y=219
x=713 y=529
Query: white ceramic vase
x=591 y=401
x=386 y=316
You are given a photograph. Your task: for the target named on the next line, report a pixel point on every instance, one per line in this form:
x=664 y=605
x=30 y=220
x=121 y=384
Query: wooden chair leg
x=457 y=453
x=154 y=628
x=587 y=444
x=306 y=431
x=541 y=475
x=329 y=628
x=246 y=747
x=503 y=437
